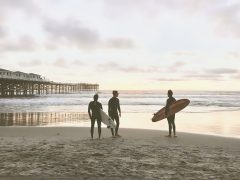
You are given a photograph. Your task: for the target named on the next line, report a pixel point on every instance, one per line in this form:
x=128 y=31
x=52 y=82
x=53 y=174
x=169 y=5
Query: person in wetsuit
x=171 y=119
x=94 y=114
x=114 y=111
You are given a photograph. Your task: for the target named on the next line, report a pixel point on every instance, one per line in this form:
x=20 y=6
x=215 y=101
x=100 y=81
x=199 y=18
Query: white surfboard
x=107 y=120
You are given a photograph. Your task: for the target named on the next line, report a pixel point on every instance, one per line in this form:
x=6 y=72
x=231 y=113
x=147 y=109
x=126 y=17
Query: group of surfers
x=114 y=111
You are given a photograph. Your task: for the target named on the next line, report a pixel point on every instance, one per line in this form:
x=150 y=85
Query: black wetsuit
x=171 y=118
x=113 y=108
x=95 y=108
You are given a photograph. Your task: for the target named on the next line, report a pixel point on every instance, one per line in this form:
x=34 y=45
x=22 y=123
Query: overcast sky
x=125 y=44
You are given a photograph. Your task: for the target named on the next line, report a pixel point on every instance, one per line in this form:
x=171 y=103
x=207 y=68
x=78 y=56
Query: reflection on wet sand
x=41 y=118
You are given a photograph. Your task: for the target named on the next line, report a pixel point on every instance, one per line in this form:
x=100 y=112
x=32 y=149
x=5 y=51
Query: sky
x=123 y=44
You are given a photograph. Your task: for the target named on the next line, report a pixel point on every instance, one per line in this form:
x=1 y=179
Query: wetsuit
x=113 y=108
x=171 y=123
x=95 y=106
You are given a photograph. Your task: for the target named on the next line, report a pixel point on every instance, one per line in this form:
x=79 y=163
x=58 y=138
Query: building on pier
x=18 y=75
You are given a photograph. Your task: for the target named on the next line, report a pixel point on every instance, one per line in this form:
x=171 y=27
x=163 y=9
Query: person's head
x=170 y=93
x=115 y=93
x=95 y=97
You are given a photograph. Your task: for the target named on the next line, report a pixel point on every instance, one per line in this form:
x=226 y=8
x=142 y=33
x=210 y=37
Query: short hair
x=115 y=92
x=95 y=96
x=170 y=92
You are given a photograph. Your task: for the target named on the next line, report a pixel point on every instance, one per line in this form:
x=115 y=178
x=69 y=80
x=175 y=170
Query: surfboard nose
x=153 y=119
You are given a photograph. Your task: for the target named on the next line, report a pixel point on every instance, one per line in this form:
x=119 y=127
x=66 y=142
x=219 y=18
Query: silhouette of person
x=114 y=111
x=171 y=119
x=94 y=114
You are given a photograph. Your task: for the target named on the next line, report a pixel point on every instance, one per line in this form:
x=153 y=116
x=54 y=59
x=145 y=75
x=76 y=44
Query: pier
x=24 y=84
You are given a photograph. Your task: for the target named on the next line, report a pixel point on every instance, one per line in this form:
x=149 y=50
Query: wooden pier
x=23 y=84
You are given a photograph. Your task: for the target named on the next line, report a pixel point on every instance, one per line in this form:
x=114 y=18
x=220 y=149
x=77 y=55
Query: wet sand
x=142 y=154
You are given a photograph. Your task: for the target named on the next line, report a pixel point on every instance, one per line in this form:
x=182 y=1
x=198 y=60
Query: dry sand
x=68 y=152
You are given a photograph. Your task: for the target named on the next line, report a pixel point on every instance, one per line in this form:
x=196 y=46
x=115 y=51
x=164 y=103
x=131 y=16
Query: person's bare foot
x=175 y=136
x=168 y=136
x=117 y=135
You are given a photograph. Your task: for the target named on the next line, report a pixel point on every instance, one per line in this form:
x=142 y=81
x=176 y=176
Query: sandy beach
x=68 y=152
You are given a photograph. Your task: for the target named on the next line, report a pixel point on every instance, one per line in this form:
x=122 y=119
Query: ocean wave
x=222 y=101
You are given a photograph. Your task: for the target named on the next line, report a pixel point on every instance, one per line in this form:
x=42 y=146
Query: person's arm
x=109 y=108
x=101 y=106
x=167 y=107
x=119 y=109
x=89 y=111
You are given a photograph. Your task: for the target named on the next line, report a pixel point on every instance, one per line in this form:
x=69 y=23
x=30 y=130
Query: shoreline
x=83 y=133
x=106 y=129
x=221 y=124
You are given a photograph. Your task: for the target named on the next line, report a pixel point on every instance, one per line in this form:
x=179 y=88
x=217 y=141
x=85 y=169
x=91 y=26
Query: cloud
x=228 y=20
x=237 y=76
x=65 y=63
x=8 y=10
x=176 y=66
x=168 y=79
x=2 y=32
x=78 y=63
x=50 y=45
x=74 y=33
x=10 y=7
x=222 y=71
x=217 y=74
x=135 y=8
x=28 y=6
x=234 y=54
x=207 y=75
x=193 y=6
x=204 y=76
x=109 y=66
x=120 y=43
x=134 y=69
x=62 y=63
x=31 y=63
x=112 y=66
x=224 y=14
x=25 y=43
x=183 y=53
x=152 y=8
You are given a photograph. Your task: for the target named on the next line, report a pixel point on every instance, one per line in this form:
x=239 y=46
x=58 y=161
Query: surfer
x=94 y=114
x=114 y=111
x=171 y=119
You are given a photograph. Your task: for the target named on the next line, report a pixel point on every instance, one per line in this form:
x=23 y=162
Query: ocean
x=209 y=112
